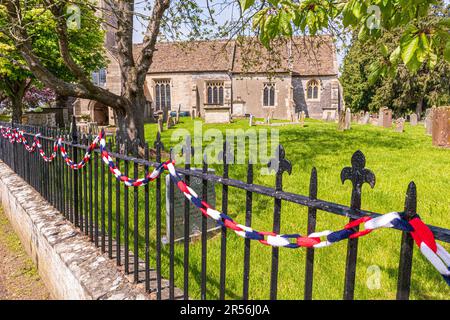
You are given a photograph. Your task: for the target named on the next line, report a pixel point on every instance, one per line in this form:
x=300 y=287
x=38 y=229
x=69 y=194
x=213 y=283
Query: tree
x=399 y=89
x=128 y=106
x=271 y=19
x=17 y=77
x=425 y=36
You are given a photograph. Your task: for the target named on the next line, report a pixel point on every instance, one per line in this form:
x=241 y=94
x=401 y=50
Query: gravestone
x=341 y=120
x=399 y=125
x=413 y=119
x=365 y=119
x=374 y=120
x=302 y=118
x=195 y=215
x=194 y=113
x=348 y=119
x=441 y=127
x=250 y=121
x=429 y=121
x=160 y=125
x=178 y=113
x=385 y=117
x=169 y=122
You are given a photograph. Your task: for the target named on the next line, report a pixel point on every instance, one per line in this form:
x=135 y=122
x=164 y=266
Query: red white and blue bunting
x=421 y=234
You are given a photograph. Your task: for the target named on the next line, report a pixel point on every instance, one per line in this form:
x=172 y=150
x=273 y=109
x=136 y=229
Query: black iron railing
x=88 y=199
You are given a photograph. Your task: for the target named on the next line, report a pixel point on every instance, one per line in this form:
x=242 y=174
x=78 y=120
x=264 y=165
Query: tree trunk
x=130 y=128
x=16 y=104
x=419 y=107
x=61 y=101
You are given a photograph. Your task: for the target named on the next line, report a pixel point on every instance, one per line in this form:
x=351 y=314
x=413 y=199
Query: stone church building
x=225 y=79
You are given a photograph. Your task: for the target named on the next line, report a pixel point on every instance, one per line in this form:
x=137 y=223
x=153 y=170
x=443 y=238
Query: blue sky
x=225 y=15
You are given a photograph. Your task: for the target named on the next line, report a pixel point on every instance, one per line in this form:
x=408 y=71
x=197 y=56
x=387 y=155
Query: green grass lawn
x=395 y=158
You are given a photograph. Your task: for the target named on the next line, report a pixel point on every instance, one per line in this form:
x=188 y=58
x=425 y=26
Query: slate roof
x=301 y=56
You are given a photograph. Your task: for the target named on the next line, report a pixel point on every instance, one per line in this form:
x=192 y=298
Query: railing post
x=204 y=231
x=309 y=268
x=407 y=245
x=75 y=172
x=226 y=157
x=248 y=223
x=188 y=152
x=159 y=147
x=358 y=175
x=280 y=165
x=171 y=192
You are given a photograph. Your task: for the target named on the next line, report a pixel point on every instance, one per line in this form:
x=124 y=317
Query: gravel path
x=19 y=279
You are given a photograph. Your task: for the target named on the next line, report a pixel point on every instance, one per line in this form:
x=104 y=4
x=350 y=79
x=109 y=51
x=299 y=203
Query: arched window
x=162 y=94
x=269 y=95
x=312 y=90
x=215 y=92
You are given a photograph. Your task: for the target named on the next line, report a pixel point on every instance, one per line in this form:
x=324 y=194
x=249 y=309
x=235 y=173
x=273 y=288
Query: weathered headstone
x=302 y=118
x=195 y=215
x=413 y=119
x=441 y=127
x=250 y=121
x=365 y=119
x=160 y=125
x=385 y=117
x=374 y=120
x=400 y=125
x=194 y=114
x=178 y=114
x=429 y=121
x=169 y=122
x=341 y=120
x=348 y=119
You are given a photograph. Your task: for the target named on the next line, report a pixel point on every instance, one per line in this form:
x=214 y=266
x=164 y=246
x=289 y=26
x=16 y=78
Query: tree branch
x=145 y=57
x=22 y=42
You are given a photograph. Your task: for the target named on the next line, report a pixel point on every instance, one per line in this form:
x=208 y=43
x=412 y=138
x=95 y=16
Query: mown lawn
x=396 y=159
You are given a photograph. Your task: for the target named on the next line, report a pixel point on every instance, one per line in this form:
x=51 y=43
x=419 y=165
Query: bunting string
x=422 y=235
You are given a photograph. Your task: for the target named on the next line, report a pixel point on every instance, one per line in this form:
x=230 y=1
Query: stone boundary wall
x=69 y=264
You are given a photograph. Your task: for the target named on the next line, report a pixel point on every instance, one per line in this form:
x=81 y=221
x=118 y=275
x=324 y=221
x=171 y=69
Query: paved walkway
x=19 y=279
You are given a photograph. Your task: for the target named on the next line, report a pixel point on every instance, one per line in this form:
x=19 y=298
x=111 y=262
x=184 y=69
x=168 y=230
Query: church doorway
x=100 y=114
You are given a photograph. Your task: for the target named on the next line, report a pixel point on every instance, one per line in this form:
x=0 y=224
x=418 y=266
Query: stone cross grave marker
x=413 y=119
x=195 y=215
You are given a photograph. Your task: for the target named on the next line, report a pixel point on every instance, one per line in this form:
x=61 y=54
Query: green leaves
x=409 y=45
x=447 y=51
x=246 y=4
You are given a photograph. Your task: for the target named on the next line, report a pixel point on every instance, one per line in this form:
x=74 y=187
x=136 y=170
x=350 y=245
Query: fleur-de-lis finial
x=280 y=164
x=358 y=175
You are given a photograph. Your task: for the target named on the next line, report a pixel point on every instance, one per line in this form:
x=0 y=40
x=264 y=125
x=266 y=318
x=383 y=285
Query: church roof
x=300 y=55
